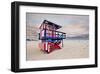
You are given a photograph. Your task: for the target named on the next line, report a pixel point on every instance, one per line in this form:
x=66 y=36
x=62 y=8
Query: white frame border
x=52 y=63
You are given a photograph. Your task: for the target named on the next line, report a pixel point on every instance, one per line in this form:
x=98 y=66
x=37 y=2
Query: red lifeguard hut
x=51 y=39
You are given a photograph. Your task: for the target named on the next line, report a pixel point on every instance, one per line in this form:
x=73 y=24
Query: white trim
x=49 y=63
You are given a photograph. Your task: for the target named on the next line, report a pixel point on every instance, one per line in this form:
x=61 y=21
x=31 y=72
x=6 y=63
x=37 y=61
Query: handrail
x=54 y=31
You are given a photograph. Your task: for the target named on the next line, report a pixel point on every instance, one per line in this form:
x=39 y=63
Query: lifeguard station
x=51 y=39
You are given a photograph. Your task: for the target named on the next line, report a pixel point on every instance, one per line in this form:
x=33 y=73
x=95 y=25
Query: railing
x=52 y=34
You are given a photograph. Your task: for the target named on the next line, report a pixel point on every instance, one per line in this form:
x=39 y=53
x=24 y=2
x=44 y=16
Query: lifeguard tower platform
x=51 y=39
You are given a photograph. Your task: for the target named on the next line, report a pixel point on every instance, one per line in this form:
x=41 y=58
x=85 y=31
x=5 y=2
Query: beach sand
x=72 y=49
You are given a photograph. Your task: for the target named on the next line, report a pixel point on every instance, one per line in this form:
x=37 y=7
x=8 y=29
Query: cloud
x=74 y=30
x=73 y=25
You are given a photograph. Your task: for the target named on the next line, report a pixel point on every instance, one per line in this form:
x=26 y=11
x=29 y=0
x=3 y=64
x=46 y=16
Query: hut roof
x=52 y=24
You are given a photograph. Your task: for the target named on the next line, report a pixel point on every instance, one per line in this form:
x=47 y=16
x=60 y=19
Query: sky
x=72 y=25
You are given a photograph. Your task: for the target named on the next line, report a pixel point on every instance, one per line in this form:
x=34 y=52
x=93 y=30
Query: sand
x=72 y=49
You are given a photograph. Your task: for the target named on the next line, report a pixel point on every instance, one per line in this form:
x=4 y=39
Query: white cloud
x=74 y=30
